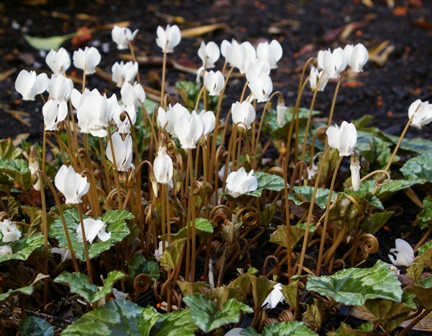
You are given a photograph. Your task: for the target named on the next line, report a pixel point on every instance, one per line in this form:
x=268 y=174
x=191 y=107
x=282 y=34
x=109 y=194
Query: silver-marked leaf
x=116 y=318
x=79 y=284
x=385 y=191
x=353 y=286
x=418 y=169
x=303 y=194
x=23 y=248
x=289 y=328
x=35 y=326
x=115 y=221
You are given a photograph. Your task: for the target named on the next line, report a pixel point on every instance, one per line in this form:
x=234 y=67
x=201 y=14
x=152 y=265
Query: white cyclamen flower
x=158 y=252
x=163 y=167
x=333 y=63
x=238 y=55
x=355 y=172
x=189 y=130
x=316 y=77
x=60 y=88
x=93 y=111
x=122 y=35
x=343 y=139
x=122 y=151
x=71 y=184
x=240 y=182
x=169 y=118
x=34 y=167
x=274 y=297
x=58 y=61
x=271 y=53
x=87 y=59
x=122 y=120
x=93 y=228
x=403 y=254
x=29 y=85
x=167 y=39
x=208 y=54
x=64 y=253
x=10 y=231
x=357 y=56
x=243 y=113
x=132 y=94
x=261 y=87
x=5 y=250
x=214 y=82
x=124 y=72
x=422 y=112
x=53 y=114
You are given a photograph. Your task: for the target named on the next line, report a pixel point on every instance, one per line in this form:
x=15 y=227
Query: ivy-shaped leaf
x=422 y=290
x=425 y=217
x=15 y=170
x=363 y=198
x=174 y=324
x=115 y=221
x=117 y=317
x=206 y=316
x=418 y=145
x=418 y=169
x=35 y=326
x=201 y=225
x=375 y=221
x=296 y=234
x=385 y=191
x=21 y=249
x=171 y=255
x=139 y=264
x=353 y=286
x=303 y=195
x=365 y=329
x=27 y=290
x=79 y=284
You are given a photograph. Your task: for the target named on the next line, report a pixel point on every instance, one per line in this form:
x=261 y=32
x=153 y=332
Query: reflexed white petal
x=167 y=39
x=58 y=61
x=87 y=59
x=93 y=228
x=163 y=167
x=71 y=184
x=243 y=112
x=273 y=299
x=5 y=250
x=240 y=182
x=358 y=57
x=209 y=121
x=10 y=231
x=403 y=254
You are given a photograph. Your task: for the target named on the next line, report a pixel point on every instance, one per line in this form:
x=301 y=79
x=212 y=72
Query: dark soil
x=303 y=28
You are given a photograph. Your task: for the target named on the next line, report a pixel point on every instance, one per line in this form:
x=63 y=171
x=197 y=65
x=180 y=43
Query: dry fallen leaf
x=381 y=52
x=198 y=31
x=6 y=74
x=19 y=138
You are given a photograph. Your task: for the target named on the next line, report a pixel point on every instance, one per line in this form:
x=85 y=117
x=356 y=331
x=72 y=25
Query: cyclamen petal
x=122 y=35
x=243 y=113
x=93 y=228
x=58 y=61
x=343 y=139
x=87 y=59
x=163 y=167
x=169 y=38
x=274 y=297
x=422 y=112
x=29 y=85
x=403 y=254
x=240 y=182
x=71 y=184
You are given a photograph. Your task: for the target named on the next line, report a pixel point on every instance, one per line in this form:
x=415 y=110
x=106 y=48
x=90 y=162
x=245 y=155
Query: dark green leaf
x=291 y=328
x=418 y=169
x=8 y=151
x=35 y=326
x=365 y=198
x=171 y=255
x=201 y=225
x=375 y=221
x=425 y=217
x=139 y=264
x=296 y=234
x=115 y=221
x=303 y=194
x=116 y=318
x=175 y=324
x=23 y=248
x=15 y=170
x=27 y=290
x=79 y=283
x=206 y=316
x=353 y=286
x=387 y=190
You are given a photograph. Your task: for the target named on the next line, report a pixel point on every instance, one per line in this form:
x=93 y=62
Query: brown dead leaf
x=198 y=31
x=185 y=66
x=368 y=3
x=110 y=26
x=352 y=84
x=19 y=115
x=6 y=74
x=19 y=138
x=83 y=37
x=381 y=52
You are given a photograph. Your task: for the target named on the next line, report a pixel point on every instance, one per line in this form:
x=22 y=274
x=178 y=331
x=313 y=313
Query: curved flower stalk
x=169 y=38
x=122 y=36
x=29 y=85
x=315 y=77
x=163 y=167
x=402 y=254
x=58 y=61
x=87 y=59
x=60 y=88
x=243 y=113
x=93 y=228
x=93 y=111
x=122 y=72
x=71 y=184
x=333 y=63
x=214 y=82
x=343 y=139
x=209 y=54
x=53 y=114
x=422 y=112
x=169 y=118
x=271 y=53
x=238 y=55
x=122 y=121
x=132 y=94
x=357 y=56
x=10 y=231
x=122 y=151
x=240 y=182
